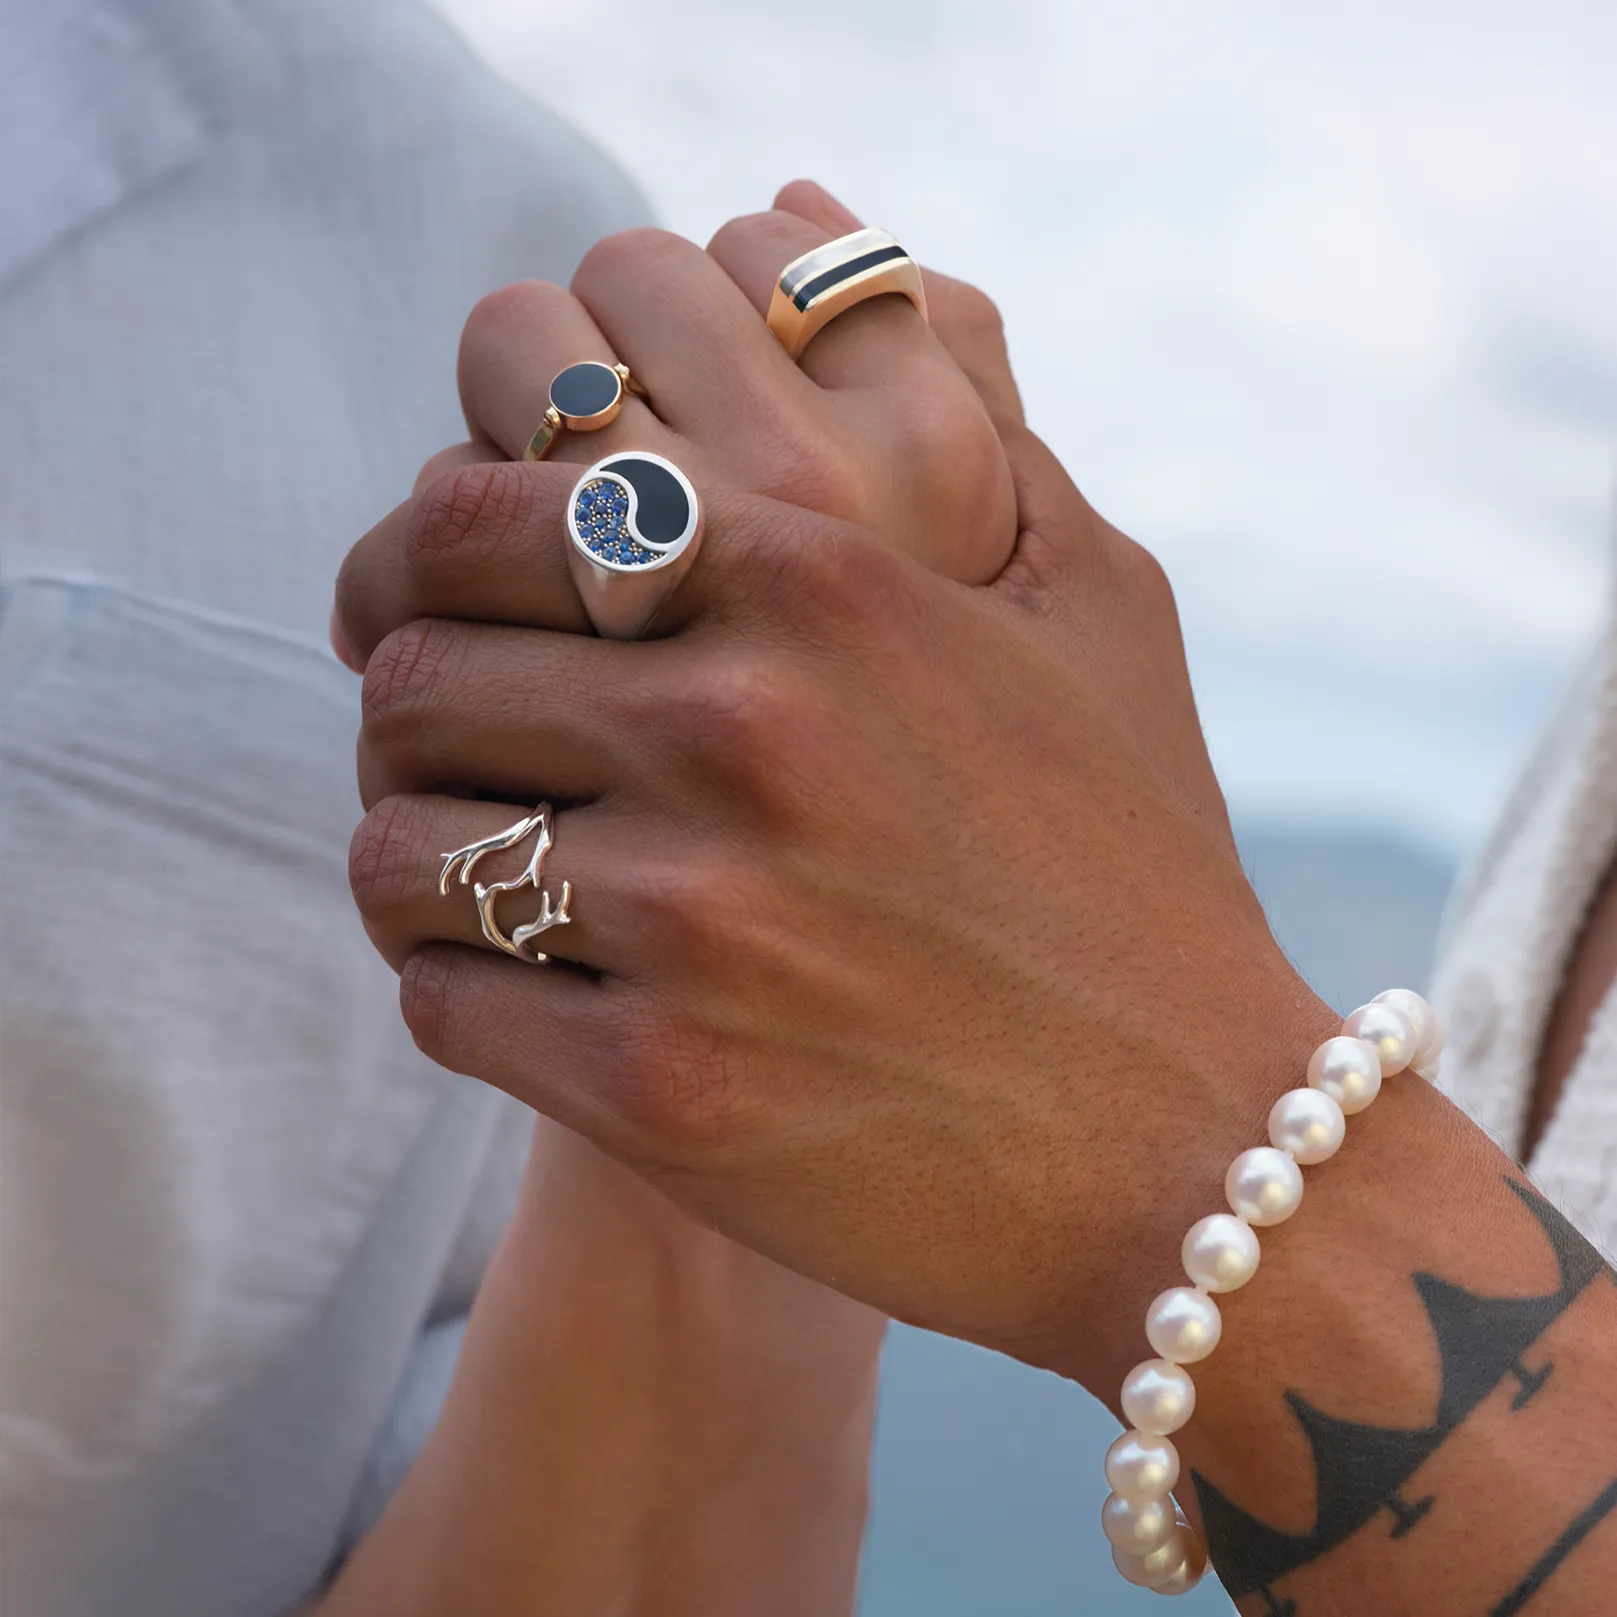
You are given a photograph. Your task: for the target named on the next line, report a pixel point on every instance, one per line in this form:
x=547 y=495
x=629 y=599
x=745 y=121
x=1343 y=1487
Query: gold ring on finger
x=814 y=289
x=583 y=398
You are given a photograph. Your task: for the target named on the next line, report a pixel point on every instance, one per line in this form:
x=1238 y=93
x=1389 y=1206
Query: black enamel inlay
x=663 y=512
x=810 y=290
x=585 y=390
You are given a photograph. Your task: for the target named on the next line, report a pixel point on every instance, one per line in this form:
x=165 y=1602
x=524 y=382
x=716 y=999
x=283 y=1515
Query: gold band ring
x=814 y=289
x=583 y=398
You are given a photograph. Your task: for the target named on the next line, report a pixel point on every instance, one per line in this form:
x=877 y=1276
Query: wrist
x=1207 y=1100
x=1365 y=1243
x=644 y=1279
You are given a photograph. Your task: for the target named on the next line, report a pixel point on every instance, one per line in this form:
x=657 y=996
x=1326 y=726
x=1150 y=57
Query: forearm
x=645 y=1419
x=1476 y=1471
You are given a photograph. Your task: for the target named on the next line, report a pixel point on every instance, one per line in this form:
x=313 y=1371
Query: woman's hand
x=646 y=1420
x=884 y=422
x=917 y=939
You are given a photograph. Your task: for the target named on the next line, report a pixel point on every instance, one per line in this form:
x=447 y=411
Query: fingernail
x=339 y=644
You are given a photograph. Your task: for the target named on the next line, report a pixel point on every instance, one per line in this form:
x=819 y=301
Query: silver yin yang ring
x=633 y=528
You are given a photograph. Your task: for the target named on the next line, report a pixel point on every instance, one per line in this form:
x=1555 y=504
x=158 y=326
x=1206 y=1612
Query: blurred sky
x=1320 y=302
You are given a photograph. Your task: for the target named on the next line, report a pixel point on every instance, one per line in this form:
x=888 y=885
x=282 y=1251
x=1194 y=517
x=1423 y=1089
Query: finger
x=880 y=341
x=373 y=598
x=408 y=868
x=810 y=200
x=513 y=344
x=448 y=706
x=683 y=327
x=962 y=318
x=1054 y=555
x=452 y=459
x=486 y=542
x=556 y=1040
x=968 y=324
x=548 y=1038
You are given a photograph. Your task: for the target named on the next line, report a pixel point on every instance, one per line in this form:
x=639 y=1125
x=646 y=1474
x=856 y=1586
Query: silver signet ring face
x=633 y=528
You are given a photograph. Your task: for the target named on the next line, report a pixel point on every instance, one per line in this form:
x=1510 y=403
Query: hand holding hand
x=916 y=953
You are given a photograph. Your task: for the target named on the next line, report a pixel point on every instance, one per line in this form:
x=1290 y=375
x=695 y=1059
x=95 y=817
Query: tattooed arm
x=920 y=956
x=1413 y=1408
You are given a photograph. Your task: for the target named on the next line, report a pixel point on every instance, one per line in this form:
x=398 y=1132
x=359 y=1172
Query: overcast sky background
x=1318 y=302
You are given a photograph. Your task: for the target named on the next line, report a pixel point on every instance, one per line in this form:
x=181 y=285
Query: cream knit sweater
x=1509 y=934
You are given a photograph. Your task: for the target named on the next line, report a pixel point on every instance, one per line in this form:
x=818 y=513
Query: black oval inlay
x=585 y=390
x=663 y=511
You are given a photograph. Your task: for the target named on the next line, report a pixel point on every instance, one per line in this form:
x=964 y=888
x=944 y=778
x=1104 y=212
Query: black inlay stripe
x=810 y=290
x=1583 y=1524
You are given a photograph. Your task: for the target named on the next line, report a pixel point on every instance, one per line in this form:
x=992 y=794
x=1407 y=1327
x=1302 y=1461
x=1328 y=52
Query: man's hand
x=910 y=919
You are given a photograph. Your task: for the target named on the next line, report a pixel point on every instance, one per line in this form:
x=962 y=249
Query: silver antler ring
x=520 y=942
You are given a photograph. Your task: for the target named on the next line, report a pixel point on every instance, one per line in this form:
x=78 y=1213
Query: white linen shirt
x=237 y=242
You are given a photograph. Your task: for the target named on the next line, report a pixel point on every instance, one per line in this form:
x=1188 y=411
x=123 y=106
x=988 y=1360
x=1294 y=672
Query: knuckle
x=841 y=579
x=493 y=316
x=976 y=314
x=696 y=913
x=628 y=255
x=946 y=427
x=467 y=517
x=738 y=240
x=385 y=854
x=737 y=711
x=401 y=674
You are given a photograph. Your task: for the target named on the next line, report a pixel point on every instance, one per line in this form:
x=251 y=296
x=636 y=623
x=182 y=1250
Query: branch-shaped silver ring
x=520 y=942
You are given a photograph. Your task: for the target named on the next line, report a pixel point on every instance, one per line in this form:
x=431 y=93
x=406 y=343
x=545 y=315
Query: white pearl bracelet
x=1152 y=1543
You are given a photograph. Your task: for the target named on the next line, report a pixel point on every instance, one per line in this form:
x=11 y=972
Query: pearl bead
x=1348 y=1070
x=1184 y=1325
x=1388 y=1030
x=1137 y=1526
x=1220 y=1252
x=1188 y=1573
x=1308 y=1124
x=1154 y=1570
x=1141 y=1465
x=1263 y=1186
x=1428 y=1025
x=1132 y=1567
x=1158 y=1397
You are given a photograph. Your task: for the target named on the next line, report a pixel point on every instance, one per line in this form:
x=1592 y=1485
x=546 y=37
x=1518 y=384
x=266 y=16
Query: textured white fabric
x=1510 y=934
x=237 y=242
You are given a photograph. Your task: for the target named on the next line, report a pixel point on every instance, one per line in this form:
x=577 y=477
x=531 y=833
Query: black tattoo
x=1361 y=1470
x=1583 y=1524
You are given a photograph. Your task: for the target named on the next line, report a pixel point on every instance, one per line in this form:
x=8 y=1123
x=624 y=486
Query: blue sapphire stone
x=600 y=512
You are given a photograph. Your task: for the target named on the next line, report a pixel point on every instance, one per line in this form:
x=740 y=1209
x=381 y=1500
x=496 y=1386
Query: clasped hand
x=909 y=945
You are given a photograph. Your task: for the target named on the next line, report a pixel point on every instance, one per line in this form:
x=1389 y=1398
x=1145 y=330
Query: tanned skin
x=918 y=956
